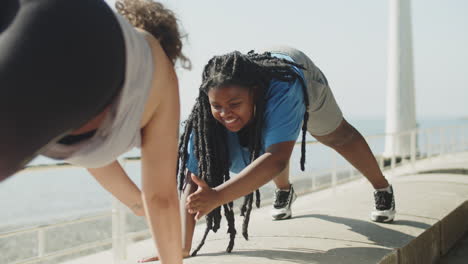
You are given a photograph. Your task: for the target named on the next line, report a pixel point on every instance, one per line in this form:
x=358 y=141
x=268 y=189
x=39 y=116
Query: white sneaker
x=282 y=204
x=384 y=210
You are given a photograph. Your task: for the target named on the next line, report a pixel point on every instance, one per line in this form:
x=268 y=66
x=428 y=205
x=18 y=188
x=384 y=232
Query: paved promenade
x=333 y=226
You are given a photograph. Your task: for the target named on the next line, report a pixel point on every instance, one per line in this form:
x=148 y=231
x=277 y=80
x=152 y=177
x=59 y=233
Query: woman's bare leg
x=347 y=141
x=282 y=180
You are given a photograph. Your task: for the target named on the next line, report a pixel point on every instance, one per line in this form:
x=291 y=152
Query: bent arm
x=115 y=180
x=159 y=162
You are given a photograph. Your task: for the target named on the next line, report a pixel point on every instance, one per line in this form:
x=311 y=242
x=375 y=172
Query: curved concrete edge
x=453 y=227
x=433 y=243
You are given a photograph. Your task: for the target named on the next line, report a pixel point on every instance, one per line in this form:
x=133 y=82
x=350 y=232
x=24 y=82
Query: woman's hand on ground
x=202 y=201
x=185 y=254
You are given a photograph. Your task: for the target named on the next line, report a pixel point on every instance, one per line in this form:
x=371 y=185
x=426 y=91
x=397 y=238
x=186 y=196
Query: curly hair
x=209 y=136
x=160 y=22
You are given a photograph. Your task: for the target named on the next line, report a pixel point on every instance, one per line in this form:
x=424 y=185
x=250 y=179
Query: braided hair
x=209 y=136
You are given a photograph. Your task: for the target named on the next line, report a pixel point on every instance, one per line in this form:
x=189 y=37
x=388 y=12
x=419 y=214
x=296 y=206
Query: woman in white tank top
x=90 y=122
x=146 y=115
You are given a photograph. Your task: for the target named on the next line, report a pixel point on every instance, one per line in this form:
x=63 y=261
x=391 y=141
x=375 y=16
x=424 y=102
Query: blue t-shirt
x=284 y=113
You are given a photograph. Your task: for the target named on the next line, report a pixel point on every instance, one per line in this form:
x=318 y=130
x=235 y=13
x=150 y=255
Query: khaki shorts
x=324 y=114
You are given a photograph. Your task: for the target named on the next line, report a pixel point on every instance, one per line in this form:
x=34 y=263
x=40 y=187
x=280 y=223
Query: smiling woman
x=249 y=113
x=236 y=118
x=232 y=105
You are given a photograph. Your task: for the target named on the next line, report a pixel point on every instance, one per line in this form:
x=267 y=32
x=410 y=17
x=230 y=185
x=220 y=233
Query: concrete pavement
x=332 y=226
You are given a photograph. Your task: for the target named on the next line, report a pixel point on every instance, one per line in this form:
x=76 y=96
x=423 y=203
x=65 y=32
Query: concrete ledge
x=423 y=249
x=433 y=243
x=453 y=227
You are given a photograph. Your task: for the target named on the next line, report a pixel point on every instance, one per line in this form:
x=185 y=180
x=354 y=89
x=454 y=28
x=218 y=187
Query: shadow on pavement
x=374 y=232
x=349 y=255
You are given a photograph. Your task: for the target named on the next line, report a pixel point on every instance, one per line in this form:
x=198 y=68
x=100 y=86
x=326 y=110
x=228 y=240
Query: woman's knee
x=342 y=135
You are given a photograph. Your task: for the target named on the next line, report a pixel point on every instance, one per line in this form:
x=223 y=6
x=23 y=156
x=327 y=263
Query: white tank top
x=120 y=129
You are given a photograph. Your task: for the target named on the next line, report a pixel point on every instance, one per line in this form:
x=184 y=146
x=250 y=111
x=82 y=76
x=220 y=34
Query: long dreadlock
x=209 y=136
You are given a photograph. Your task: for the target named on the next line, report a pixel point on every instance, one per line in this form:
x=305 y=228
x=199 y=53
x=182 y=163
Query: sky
x=347 y=39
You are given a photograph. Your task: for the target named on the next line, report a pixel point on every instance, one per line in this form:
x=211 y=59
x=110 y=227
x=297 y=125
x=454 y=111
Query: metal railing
x=42 y=255
x=425 y=143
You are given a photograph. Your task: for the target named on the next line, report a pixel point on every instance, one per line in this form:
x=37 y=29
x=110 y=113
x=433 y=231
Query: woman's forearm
x=115 y=180
x=188 y=221
x=257 y=174
x=164 y=221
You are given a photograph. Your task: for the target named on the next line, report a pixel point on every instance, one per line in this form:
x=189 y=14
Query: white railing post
x=382 y=162
x=454 y=140
x=403 y=158
x=451 y=140
x=428 y=147
x=393 y=158
x=442 y=141
x=334 y=170
x=115 y=231
x=41 y=242
x=314 y=182
x=461 y=138
x=119 y=246
x=464 y=139
x=123 y=223
x=413 y=147
x=123 y=231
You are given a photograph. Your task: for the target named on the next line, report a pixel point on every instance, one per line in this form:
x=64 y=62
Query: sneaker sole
x=282 y=217
x=383 y=218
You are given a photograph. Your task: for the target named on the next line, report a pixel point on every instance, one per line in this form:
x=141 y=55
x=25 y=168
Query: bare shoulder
x=164 y=85
x=157 y=50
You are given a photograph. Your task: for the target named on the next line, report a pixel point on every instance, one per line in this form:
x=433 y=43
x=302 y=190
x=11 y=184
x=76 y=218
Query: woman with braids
x=78 y=82
x=247 y=117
